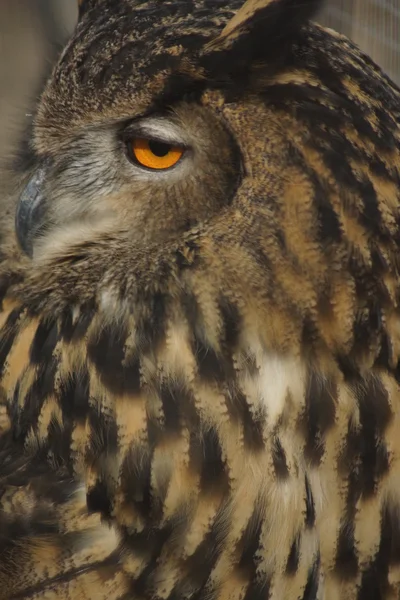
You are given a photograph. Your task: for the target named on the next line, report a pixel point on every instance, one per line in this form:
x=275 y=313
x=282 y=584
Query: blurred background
x=32 y=33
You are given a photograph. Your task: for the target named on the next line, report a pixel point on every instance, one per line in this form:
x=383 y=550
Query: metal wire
x=373 y=24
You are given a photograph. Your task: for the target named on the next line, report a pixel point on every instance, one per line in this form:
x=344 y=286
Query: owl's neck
x=210 y=483
x=216 y=468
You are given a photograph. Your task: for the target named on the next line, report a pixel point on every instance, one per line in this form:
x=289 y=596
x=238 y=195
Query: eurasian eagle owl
x=200 y=330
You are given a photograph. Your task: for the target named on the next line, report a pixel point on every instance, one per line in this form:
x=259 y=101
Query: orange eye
x=153 y=154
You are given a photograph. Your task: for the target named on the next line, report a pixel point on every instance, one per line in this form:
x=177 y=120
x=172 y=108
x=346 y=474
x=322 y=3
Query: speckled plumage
x=200 y=387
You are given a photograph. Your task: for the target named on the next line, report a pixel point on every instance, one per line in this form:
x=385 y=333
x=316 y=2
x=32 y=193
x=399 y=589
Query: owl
x=200 y=323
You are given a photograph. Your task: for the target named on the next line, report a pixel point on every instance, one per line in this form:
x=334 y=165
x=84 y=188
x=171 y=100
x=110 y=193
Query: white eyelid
x=162 y=129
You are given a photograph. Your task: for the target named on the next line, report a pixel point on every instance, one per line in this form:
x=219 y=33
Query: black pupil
x=159 y=148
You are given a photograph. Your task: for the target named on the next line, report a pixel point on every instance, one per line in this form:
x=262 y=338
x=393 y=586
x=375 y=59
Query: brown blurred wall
x=31 y=34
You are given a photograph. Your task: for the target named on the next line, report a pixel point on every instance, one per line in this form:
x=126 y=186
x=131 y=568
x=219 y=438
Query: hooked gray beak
x=29 y=217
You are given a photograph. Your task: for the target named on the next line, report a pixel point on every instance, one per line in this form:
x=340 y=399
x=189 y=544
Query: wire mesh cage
x=373 y=24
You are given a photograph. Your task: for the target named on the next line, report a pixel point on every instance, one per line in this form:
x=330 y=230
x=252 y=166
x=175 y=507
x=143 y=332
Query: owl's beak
x=29 y=217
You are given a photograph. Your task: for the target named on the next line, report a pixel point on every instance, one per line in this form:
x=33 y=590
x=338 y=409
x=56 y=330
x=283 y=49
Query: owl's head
x=149 y=119
x=242 y=141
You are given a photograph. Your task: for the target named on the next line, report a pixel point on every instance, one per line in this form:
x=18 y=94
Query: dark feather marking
x=172 y=400
x=374 y=582
x=346 y=556
x=310 y=507
x=309 y=334
x=177 y=86
x=44 y=342
x=47 y=489
x=84 y=64
x=7 y=280
x=273 y=29
x=186 y=257
x=150 y=543
x=201 y=563
x=74 y=396
x=371 y=216
x=385 y=356
x=329 y=225
x=136 y=480
x=43 y=487
x=214 y=470
x=349 y=467
x=72 y=332
x=253 y=424
x=258 y=589
x=103 y=434
x=191 y=309
x=58 y=444
x=8 y=334
x=279 y=459
x=98 y=499
x=107 y=351
x=311 y=589
x=151 y=329
x=294 y=556
x=320 y=410
x=179 y=404
x=249 y=543
x=119 y=62
x=391 y=532
x=40 y=389
x=348 y=367
x=82 y=323
x=212 y=367
x=375 y=415
x=232 y=322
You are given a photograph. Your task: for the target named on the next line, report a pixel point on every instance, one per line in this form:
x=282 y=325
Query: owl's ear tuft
x=260 y=29
x=84 y=5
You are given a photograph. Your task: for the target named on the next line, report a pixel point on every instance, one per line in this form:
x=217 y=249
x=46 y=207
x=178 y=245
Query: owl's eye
x=154 y=154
